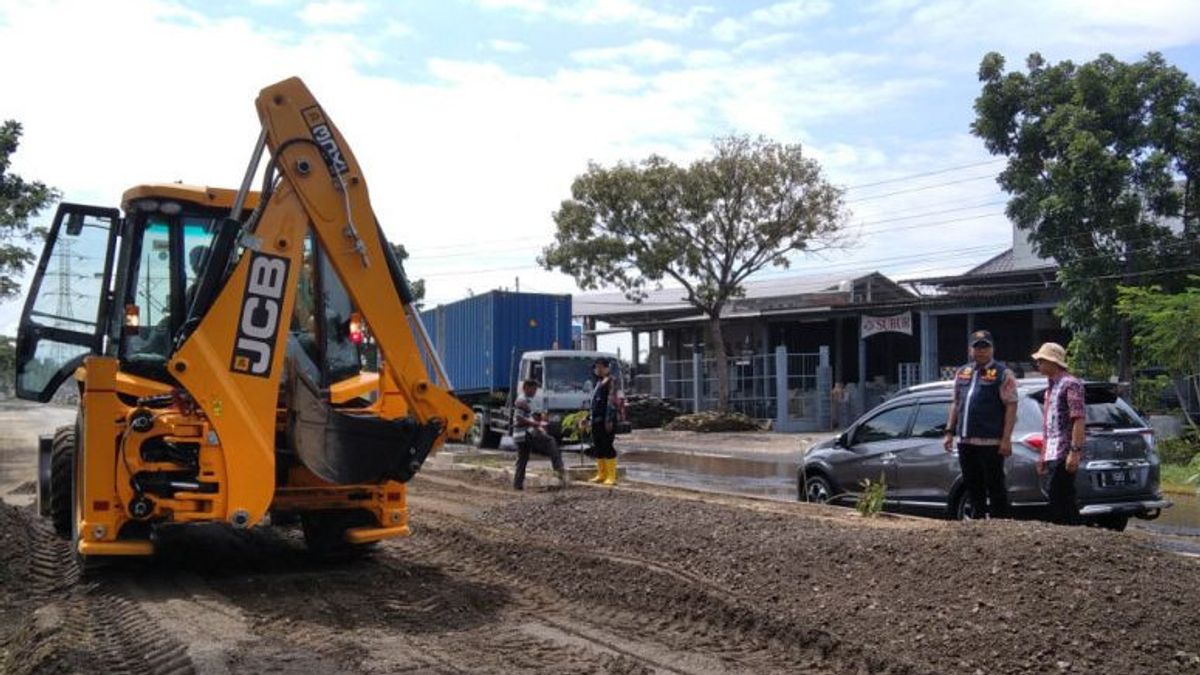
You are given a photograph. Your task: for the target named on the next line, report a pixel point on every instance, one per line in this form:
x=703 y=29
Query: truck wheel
x=62 y=477
x=484 y=437
x=325 y=531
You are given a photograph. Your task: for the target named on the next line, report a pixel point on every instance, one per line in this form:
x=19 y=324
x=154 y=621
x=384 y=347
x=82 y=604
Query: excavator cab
x=121 y=287
x=215 y=340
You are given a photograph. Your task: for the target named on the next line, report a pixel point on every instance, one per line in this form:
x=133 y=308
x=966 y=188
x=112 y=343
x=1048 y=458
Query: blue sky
x=471 y=117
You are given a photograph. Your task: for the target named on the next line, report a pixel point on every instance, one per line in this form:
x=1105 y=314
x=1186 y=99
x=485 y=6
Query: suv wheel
x=817 y=489
x=1114 y=522
x=960 y=507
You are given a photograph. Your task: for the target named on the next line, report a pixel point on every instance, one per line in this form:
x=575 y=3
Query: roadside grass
x=1180 y=478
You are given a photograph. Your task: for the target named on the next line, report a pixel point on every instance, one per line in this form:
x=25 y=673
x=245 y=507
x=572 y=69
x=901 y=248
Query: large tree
x=1102 y=173
x=20 y=201
x=707 y=227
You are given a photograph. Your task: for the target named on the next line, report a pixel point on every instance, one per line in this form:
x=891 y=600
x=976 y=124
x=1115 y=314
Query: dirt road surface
x=635 y=579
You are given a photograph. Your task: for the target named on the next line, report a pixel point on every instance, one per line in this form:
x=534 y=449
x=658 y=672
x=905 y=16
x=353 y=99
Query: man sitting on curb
x=530 y=435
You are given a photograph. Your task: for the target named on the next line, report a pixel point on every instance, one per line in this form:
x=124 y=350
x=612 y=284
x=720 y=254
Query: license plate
x=1117 y=478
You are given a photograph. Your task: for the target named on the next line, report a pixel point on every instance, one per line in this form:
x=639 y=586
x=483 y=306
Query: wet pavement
x=21 y=423
x=752 y=467
x=757 y=477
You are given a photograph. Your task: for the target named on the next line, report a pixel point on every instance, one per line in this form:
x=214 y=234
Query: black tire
x=485 y=438
x=1114 y=522
x=817 y=489
x=284 y=518
x=960 y=506
x=324 y=532
x=62 y=479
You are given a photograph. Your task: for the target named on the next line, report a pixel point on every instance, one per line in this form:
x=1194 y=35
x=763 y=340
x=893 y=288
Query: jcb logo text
x=258 y=325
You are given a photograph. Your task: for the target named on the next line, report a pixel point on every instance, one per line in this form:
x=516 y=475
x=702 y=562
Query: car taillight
x=1035 y=441
x=356 y=332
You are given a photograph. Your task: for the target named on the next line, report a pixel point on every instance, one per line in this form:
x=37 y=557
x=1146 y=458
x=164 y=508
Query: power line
x=925 y=174
x=919 y=189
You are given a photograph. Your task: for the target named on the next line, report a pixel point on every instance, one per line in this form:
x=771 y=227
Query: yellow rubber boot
x=610 y=476
x=600 y=471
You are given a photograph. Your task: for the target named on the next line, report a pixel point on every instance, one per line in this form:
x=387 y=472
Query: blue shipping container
x=480 y=339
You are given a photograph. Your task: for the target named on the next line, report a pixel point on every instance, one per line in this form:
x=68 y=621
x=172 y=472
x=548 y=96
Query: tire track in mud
x=79 y=625
x=687 y=617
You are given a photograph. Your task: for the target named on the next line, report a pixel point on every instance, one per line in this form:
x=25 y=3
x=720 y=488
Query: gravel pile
x=712 y=421
x=992 y=597
x=649 y=412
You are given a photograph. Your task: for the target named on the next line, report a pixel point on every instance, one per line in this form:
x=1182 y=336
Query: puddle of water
x=777 y=480
x=1185 y=513
x=708 y=472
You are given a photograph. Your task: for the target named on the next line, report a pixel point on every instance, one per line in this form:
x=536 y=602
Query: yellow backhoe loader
x=216 y=338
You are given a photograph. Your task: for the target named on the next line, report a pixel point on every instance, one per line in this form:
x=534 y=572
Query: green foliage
x=1165 y=327
x=1165 y=324
x=1179 y=451
x=1148 y=393
x=8 y=362
x=708 y=226
x=573 y=426
x=870 y=504
x=20 y=201
x=418 y=286
x=1100 y=155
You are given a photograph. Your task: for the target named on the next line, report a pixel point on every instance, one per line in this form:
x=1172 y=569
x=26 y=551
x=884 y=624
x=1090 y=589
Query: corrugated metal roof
x=664 y=300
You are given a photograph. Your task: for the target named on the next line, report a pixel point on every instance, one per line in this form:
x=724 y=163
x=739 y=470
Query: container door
x=68 y=305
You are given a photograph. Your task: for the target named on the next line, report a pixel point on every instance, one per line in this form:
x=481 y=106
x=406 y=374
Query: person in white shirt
x=529 y=431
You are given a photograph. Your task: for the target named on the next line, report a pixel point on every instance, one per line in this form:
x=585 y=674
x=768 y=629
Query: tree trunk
x=1183 y=402
x=722 y=363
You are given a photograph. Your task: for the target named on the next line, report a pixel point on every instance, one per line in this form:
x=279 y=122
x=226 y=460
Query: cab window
x=167 y=258
x=151 y=293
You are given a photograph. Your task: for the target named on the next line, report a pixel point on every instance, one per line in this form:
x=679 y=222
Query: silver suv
x=901 y=440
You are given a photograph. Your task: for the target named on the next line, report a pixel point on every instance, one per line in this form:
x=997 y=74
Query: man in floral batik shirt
x=1064 y=429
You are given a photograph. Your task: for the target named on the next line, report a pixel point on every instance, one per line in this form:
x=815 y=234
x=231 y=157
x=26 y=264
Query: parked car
x=901 y=440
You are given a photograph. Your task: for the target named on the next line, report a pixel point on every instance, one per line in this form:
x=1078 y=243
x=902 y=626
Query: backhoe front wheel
x=325 y=532
x=62 y=476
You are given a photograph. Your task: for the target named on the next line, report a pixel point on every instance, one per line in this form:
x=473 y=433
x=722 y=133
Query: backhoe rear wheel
x=62 y=477
x=325 y=531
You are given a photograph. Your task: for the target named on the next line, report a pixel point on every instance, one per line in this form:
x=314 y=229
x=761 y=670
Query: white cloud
x=1078 y=29
x=333 y=13
x=602 y=12
x=791 y=13
x=765 y=42
x=778 y=15
x=728 y=29
x=508 y=46
x=397 y=29
x=644 y=51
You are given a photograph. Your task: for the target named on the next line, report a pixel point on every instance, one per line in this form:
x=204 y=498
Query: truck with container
x=490 y=343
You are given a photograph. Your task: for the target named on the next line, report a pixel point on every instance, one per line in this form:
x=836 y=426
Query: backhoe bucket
x=349 y=448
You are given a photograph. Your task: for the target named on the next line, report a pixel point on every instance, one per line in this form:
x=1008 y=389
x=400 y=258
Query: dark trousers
x=602 y=442
x=983 y=476
x=542 y=445
x=1060 y=488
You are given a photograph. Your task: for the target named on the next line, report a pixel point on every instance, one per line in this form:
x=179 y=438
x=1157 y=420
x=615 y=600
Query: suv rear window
x=1104 y=408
